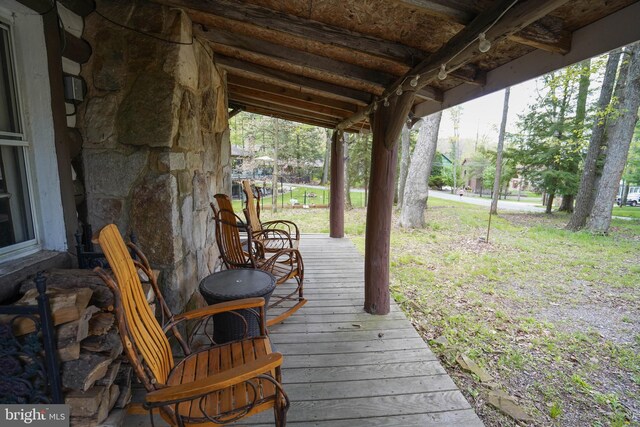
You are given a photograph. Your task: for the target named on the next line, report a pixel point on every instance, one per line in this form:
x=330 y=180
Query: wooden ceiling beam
x=546 y=34
x=291 y=24
x=295 y=56
x=238 y=99
x=470 y=74
x=269 y=75
x=299 y=119
x=508 y=17
x=290 y=93
x=235 y=92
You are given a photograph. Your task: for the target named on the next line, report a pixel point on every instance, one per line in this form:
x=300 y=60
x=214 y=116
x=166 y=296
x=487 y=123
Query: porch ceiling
x=321 y=62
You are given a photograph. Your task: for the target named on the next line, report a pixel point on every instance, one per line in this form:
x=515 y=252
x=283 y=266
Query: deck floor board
x=345 y=368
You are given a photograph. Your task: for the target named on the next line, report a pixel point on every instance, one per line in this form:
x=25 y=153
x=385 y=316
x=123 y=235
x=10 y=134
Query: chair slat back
x=252 y=208
x=228 y=234
x=142 y=328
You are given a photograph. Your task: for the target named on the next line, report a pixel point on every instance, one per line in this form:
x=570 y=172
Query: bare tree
x=620 y=132
x=586 y=193
x=405 y=148
x=327 y=159
x=456 y=114
x=274 y=181
x=496 y=179
x=416 y=188
x=348 y=138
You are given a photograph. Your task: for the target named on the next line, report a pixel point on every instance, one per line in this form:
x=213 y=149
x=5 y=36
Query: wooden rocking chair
x=215 y=385
x=285 y=264
x=274 y=235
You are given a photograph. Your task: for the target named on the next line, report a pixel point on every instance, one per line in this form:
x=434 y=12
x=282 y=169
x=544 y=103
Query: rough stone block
x=187 y=223
x=168 y=162
x=201 y=197
x=189 y=135
x=185 y=184
x=147 y=115
x=99 y=121
x=111 y=173
x=153 y=210
x=104 y=211
x=194 y=161
x=109 y=65
x=208 y=105
x=200 y=228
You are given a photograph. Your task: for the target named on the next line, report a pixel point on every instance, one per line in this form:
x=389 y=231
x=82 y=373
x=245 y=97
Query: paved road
x=502 y=204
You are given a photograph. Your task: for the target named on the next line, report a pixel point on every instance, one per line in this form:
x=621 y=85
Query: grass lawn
x=627 y=211
x=553 y=316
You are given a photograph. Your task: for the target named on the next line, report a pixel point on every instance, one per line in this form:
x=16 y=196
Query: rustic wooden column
x=386 y=124
x=61 y=132
x=336 y=208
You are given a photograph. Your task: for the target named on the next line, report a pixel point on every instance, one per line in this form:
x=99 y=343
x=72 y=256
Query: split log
x=77 y=329
x=66 y=306
x=85 y=403
x=123 y=380
x=110 y=377
x=109 y=343
x=82 y=373
x=103 y=410
x=102 y=296
x=100 y=323
x=68 y=350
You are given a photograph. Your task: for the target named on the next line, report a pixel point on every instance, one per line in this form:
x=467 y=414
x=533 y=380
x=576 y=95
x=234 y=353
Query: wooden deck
x=344 y=367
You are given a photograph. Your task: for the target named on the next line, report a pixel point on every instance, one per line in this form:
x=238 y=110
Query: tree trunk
x=386 y=126
x=416 y=188
x=347 y=177
x=620 y=132
x=503 y=127
x=550 y=198
x=585 y=197
x=581 y=111
x=274 y=181
x=405 y=147
x=327 y=159
x=567 y=203
x=625 y=194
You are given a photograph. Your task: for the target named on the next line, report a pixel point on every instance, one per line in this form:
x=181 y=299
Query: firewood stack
x=95 y=375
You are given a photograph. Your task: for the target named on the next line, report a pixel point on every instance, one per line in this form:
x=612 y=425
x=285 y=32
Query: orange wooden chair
x=274 y=235
x=284 y=264
x=215 y=385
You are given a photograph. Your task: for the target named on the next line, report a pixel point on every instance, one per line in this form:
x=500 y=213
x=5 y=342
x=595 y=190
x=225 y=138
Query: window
x=16 y=214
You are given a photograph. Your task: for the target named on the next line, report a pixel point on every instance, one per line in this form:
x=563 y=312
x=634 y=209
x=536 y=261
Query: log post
x=336 y=208
x=386 y=124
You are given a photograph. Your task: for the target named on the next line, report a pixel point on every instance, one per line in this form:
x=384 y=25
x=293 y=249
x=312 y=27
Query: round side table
x=230 y=285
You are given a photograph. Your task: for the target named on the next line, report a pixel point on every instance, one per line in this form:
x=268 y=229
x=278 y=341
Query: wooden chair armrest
x=227 y=378
x=288 y=224
x=221 y=308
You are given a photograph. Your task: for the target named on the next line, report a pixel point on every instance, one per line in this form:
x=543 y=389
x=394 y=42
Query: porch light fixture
x=386 y=102
x=399 y=91
x=414 y=81
x=442 y=74
x=483 y=44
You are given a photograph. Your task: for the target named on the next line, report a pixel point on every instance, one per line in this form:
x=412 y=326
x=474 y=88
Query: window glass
x=16 y=218
x=16 y=224
x=8 y=110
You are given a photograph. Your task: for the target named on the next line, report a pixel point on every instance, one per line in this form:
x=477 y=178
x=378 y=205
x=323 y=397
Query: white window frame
x=32 y=88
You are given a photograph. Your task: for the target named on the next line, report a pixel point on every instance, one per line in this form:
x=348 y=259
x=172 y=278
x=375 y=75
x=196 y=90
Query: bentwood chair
x=217 y=384
x=274 y=235
x=285 y=264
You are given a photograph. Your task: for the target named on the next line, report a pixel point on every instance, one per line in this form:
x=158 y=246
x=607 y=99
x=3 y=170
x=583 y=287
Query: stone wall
x=155 y=137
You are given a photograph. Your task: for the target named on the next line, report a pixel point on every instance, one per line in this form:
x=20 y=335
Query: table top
x=235 y=284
